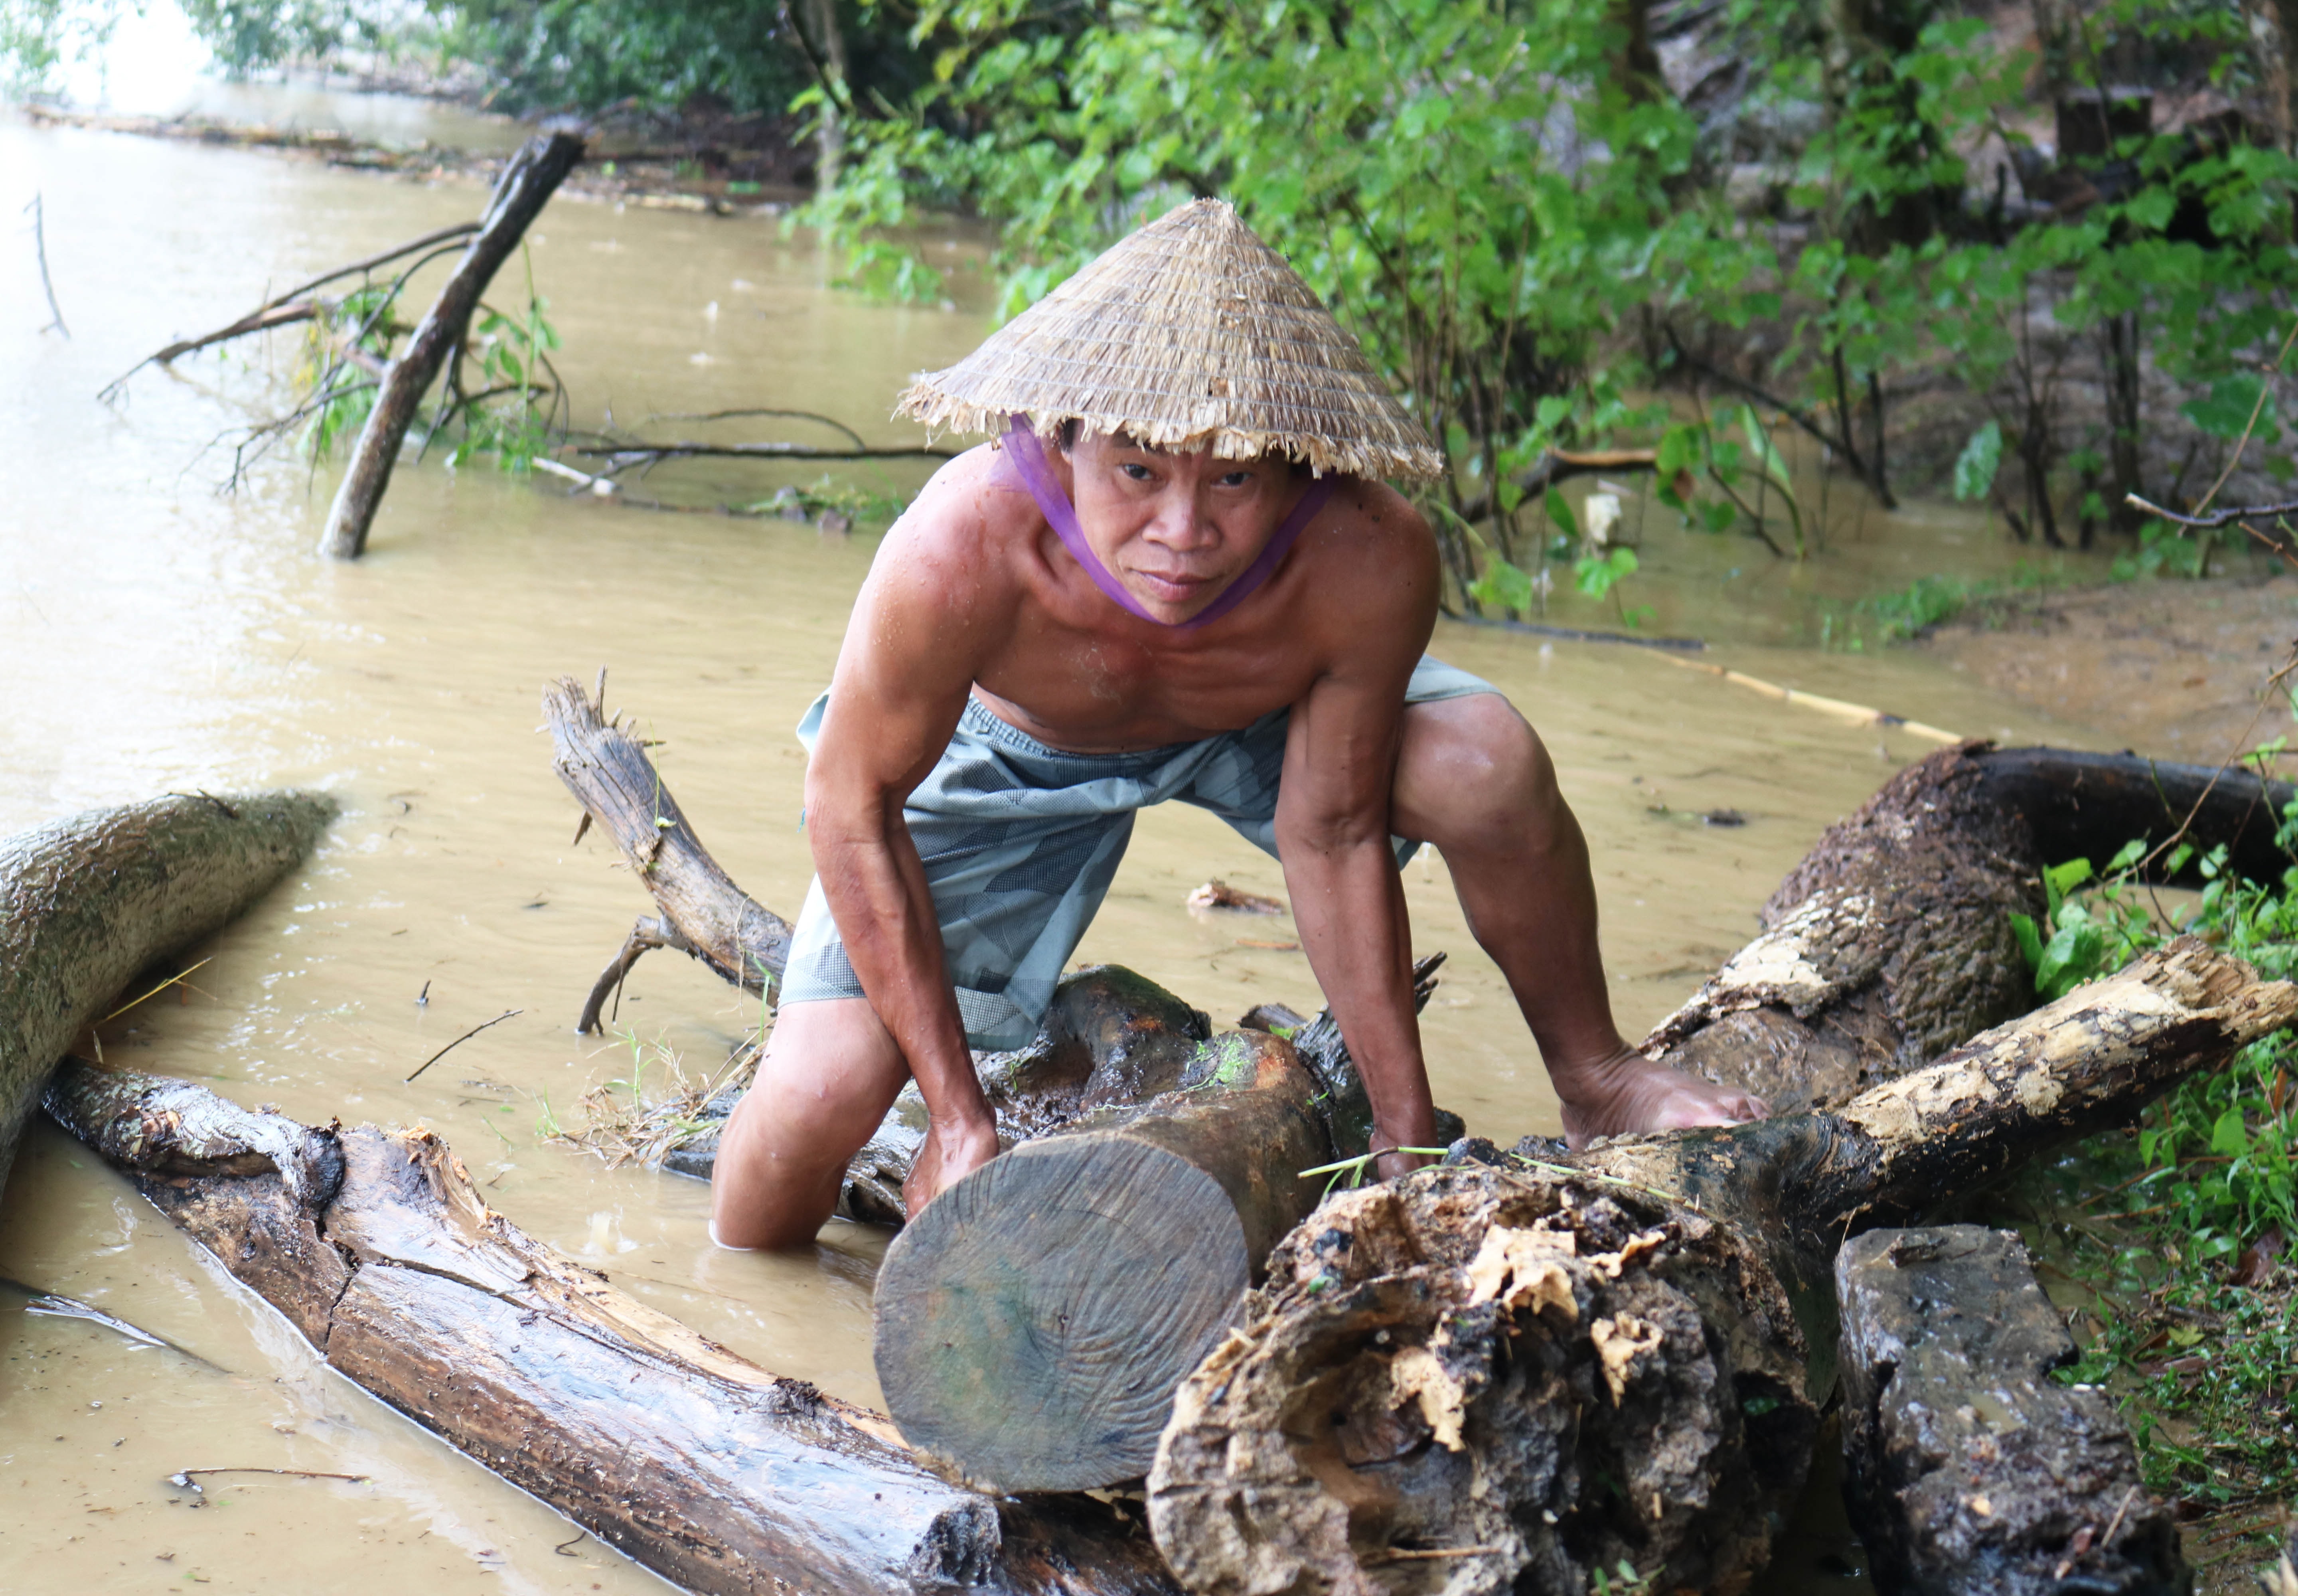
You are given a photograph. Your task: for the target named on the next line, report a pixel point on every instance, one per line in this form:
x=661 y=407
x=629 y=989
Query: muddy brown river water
x=155 y=636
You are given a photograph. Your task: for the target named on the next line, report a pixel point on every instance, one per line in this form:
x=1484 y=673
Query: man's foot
x=1627 y=1093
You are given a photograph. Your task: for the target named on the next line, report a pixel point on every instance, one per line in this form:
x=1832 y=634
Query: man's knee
x=1475 y=776
x=829 y=1075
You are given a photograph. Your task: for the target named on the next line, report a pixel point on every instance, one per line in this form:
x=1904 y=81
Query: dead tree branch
x=525 y=187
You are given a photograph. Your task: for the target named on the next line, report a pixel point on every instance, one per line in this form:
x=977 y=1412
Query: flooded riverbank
x=162 y=638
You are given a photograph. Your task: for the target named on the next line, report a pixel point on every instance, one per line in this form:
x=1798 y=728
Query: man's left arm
x=1333 y=826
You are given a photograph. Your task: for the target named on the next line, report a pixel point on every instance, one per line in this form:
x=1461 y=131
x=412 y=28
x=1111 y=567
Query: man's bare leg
x=1473 y=779
x=829 y=1073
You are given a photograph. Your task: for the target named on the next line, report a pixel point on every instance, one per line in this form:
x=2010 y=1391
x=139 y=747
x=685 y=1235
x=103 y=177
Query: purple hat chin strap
x=1028 y=457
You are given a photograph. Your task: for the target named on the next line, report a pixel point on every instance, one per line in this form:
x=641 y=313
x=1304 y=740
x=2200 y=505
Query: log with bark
x=87 y=903
x=1032 y=1324
x=1496 y=1376
x=717 y=1475
x=520 y=192
x=1968 y=1469
x=1891 y=942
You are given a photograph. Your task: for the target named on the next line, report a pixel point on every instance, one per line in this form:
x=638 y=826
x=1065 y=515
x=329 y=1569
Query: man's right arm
x=903 y=676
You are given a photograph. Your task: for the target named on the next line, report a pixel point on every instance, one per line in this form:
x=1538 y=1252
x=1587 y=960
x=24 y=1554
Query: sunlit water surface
x=160 y=637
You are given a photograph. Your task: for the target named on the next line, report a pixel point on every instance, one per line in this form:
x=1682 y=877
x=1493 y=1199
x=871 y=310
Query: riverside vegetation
x=2178 y=1231
x=2040 y=253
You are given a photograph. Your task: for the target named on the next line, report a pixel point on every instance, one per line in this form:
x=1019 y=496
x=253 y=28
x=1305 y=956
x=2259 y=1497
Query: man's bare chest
x=1094 y=693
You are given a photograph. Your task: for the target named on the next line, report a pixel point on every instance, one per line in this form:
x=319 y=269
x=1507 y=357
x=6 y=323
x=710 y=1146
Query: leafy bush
x=2180 y=1221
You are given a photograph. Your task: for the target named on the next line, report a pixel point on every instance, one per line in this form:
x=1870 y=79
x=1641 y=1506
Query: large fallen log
x=1487 y=1377
x=1032 y=1324
x=719 y=1476
x=1891 y=941
x=87 y=903
x=1968 y=1469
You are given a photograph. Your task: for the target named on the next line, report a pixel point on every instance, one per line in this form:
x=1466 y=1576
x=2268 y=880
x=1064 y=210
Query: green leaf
x=1503 y=585
x=2230 y=1136
x=2072 y=956
x=2031 y=941
x=2060 y=880
x=1981 y=459
x=1679 y=449
x=1768 y=458
x=2227 y=410
x=1560 y=512
x=2152 y=208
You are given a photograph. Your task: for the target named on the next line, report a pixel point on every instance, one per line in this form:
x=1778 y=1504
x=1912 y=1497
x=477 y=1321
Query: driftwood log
x=1891 y=941
x=1968 y=1469
x=520 y=192
x=716 y=1474
x=1888 y=946
x=1496 y=1377
x=703 y=914
x=87 y=903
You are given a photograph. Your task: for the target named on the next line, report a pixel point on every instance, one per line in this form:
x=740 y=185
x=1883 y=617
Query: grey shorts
x=1020 y=841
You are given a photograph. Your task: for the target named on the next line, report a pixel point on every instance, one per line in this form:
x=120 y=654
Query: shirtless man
x=1017 y=678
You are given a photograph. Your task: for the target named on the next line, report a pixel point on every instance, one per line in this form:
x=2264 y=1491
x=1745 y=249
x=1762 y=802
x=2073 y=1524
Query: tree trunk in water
x=704 y=914
x=829 y=42
x=710 y=1470
x=87 y=903
x=1891 y=941
x=526 y=185
x=1482 y=1378
x=1970 y=1471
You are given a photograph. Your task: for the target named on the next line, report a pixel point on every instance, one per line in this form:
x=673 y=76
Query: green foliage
x=39 y=37
x=247 y=34
x=596 y=53
x=1506 y=586
x=2086 y=935
x=2201 y=1352
x=2162 y=552
x=1471 y=188
x=507 y=354
x=1914 y=609
x=1981 y=459
x=2234 y=405
x=1596 y=575
x=1719 y=482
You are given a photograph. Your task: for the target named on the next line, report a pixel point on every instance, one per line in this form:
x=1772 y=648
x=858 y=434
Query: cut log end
x=1012 y=1313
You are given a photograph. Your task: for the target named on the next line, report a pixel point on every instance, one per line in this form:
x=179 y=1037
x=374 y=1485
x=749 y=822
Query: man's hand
x=951 y=1153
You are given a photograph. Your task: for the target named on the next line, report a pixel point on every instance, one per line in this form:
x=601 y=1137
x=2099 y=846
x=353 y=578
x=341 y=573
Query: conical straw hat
x=1189 y=333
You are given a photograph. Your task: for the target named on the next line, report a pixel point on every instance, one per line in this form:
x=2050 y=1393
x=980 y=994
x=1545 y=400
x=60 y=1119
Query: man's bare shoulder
x=1375 y=561
x=954 y=542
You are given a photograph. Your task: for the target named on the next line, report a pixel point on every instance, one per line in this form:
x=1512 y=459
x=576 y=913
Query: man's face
x=1175 y=529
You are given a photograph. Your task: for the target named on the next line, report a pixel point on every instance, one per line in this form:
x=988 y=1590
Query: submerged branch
x=621 y=457
x=287 y=309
